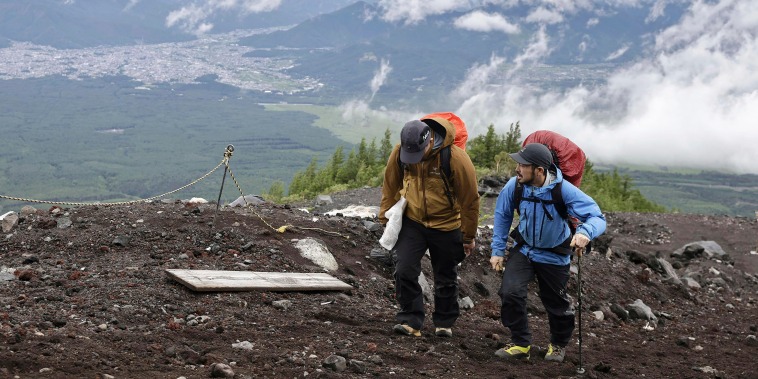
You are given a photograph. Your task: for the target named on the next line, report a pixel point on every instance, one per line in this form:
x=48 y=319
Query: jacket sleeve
x=503 y=218
x=393 y=183
x=466 y=191
x=583 y=207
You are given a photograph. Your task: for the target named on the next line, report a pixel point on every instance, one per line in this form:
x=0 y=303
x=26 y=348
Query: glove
x=579 y=242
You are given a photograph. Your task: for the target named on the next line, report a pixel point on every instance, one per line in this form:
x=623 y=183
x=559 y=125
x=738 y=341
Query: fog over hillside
x=691 y=101
x=678 y=84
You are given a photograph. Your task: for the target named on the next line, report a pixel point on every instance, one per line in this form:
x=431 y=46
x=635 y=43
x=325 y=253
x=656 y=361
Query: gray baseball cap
x=534 y=153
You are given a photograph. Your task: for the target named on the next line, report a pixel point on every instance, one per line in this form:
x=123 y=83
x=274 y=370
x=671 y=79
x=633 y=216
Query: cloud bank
x=543 y=11
x=192 y=18
x=486 y=22
x=692 y=103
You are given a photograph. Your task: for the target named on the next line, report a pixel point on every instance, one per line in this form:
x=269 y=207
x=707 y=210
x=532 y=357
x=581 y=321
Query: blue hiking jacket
x=538 y=230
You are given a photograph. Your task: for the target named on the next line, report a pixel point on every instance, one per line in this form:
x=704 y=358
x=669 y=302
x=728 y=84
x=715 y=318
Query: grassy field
x=331 y=118
x=113 y=140
x=105 y=140
x=696 y=191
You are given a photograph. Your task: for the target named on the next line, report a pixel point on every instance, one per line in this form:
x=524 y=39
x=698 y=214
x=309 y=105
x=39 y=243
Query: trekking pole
x=227 y=155
x=580 y=369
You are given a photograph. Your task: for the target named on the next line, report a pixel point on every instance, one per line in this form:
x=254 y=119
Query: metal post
x=580 y=370
x=227 y=156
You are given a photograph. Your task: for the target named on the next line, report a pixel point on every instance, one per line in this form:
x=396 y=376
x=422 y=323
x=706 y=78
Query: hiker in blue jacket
x=543 y=248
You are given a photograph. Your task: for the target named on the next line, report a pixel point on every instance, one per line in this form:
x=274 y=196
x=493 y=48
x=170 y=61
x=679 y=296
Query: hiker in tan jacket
x=441 y=215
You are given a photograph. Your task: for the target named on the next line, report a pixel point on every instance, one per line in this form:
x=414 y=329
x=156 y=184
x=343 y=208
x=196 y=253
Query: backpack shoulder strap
x=445 y=161
x=446 y=172
x=518 y=194
x=558 y=202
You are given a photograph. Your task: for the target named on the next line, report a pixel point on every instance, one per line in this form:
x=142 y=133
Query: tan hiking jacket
x=423 y=187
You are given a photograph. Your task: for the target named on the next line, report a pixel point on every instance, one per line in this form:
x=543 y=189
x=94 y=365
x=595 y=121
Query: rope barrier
x=118 y=202
x=227 y=168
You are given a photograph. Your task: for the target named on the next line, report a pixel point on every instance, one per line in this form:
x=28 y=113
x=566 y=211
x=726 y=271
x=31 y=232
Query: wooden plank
x=219 y=280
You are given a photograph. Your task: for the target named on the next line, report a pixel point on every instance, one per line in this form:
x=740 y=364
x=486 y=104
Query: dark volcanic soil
x=92 y=300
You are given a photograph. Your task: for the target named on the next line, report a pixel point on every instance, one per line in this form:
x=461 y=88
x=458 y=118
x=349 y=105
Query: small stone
x=220 y=370
x=244 y=345
x=281 y=304
x=335 y=362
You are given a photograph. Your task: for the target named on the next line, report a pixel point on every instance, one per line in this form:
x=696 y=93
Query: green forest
x=364 y=166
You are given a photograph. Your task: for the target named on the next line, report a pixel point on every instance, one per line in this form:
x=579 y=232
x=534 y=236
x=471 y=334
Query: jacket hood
x=444 y=127
x=558 y=178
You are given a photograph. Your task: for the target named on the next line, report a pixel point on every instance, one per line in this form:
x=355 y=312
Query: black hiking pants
x=552 y=281
x=446 y=251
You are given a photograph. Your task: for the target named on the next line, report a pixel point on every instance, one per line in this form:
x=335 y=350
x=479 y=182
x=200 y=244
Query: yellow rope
x=225 y=161
x=282 y=228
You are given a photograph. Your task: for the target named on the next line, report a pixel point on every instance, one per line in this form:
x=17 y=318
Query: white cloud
x=358 y=113
x=486 y=22
x=380 y=77
x=412 y=11
x=693 y=103
x=617 y=54
x=478 y=77
x=130 y=4
x=191 y=18
x=592 y=22
x=656 y=11
x=538 y=48
x=542 y=15
x=540 y=11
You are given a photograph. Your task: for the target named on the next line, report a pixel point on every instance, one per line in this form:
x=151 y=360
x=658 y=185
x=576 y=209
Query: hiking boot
x=406 y=330
x=443 y=332
x=555 y=353
x=512 y=351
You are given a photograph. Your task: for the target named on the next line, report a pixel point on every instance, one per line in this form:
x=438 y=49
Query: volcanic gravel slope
x=92 y=299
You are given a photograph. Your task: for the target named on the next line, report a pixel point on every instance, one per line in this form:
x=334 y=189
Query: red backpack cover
x=571 y=158
x=461 y=134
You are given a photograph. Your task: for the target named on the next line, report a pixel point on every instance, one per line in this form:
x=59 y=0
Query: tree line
x=364 y=166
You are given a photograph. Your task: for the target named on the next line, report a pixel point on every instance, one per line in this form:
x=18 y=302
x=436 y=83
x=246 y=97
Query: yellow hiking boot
x=406 y=330
x=555 y=353
x=512 y=351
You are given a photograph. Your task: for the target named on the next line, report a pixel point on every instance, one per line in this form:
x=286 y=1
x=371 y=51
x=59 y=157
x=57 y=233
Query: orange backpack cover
x=461 y=134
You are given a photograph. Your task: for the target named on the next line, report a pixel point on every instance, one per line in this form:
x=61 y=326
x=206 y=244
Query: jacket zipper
x=423 y=192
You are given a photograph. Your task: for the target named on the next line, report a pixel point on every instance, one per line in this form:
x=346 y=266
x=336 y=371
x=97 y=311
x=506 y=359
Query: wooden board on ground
x=219 y=280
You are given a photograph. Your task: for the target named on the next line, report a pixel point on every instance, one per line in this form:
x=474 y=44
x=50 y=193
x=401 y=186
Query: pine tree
x=385 y=149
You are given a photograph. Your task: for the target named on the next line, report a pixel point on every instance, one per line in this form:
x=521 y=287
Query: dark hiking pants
x=446 y=251
x=552 y=281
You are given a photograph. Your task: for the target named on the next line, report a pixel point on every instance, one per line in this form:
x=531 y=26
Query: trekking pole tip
x=580 y=371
